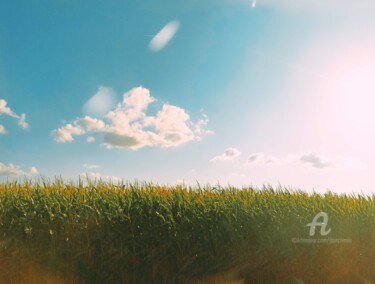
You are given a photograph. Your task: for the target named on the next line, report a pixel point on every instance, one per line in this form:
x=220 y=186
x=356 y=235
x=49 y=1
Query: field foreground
x=56 y=232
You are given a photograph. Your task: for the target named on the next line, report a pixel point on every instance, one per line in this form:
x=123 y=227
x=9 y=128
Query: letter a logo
x=322 y=225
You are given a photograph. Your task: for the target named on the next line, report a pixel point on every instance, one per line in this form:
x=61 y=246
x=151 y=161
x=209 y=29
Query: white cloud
x=128 y=126
x=91 y=166
x=33 y=171
x=14 y=170
x=127 y=119
x=172 y=125
x=90 y=124
x=65 y=133
x=200 y=126
x=254 y=158
x=164 y=36
x=310 y=159
x=4 y=109
x=22 y=121
x=262 y=159
x=92 y=176
x=137 y=99
x=90 y=139
x=114 y=179
x=100 y=103
x=180 y=182
x=229 y=154
x=317 y=161
x=235 y=174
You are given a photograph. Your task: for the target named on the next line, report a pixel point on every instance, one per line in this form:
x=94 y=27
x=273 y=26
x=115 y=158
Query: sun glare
x=352 y=104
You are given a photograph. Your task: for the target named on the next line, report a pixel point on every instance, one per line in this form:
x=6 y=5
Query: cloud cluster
x=91 y=166
x=92 y=176
x=128 y=125
x=14 y=170
x=235 y=174
x=229 y=154
x=164 y=36
x=262 y=159
x=65 y=133
x=310 y=159
x=90 y=139
x=4 y=109
x=317 y=161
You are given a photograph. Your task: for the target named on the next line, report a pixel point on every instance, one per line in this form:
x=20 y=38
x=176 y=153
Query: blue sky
x=235 y=92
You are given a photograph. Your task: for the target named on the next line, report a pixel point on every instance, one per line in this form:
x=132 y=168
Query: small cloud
x=90 y=139
x=22 y=121
x=200 y=126
x=91 y=176
x=311 y=159
x=262 y=159
x=2 y=129
x=180 y=182
x=90 y=124
x=65 y=133
x=98 y=176
x=114 y=179
x=255 y=158
x=229 y=154
x=193 y=170
x=33 y=171
x=4 y=109
x=238 y=175
x=100 y=103
x=164 y=36
x=91 y=166
x=14 y=170
x=316 y=161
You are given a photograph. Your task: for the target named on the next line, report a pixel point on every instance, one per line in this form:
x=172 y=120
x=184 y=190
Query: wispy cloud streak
x=164 y=36
x=5 y=110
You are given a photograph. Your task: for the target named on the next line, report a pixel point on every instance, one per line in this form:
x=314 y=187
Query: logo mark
x=322 y=225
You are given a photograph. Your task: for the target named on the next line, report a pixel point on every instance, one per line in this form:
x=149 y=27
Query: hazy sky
x=229 y=91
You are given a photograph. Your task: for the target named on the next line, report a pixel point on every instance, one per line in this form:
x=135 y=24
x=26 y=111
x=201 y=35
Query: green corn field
x=101 y=232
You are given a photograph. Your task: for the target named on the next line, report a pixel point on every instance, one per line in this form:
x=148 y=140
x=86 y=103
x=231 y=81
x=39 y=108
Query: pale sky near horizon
x=274 y=92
